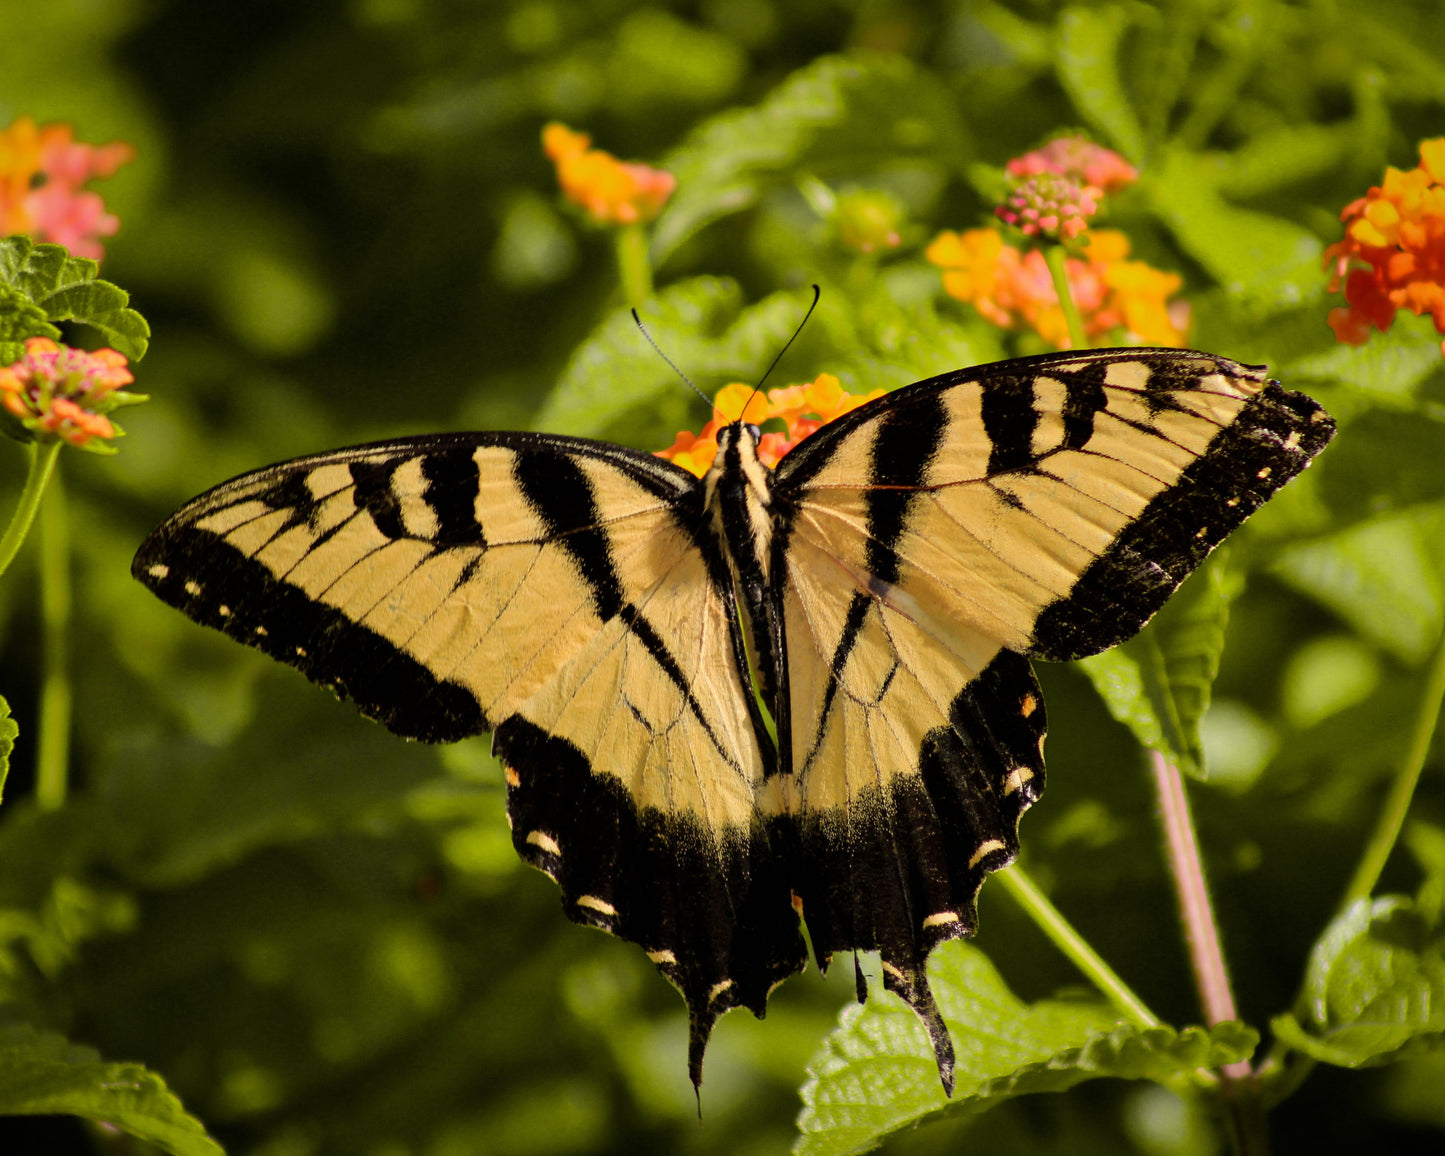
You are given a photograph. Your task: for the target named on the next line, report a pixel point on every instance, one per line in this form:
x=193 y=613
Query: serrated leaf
x=705 y=330
x=67 y=289
x=1267 y=262
x=9 y=732
x=1158 y=684
x=44 y=1074
x=876 y=1075
x=20 y=318
x=838 y=111
x=1089 y=70
x=1375 y=987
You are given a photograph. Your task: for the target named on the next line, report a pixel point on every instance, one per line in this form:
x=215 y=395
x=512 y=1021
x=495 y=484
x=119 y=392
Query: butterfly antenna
x=670 y=363
x=817 y=293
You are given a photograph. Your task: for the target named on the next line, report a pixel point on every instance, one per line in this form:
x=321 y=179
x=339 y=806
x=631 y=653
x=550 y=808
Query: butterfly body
x=606 y=615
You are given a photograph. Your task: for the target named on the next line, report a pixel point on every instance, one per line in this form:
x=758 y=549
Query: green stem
x=42 y=465
x=1061 y=932
x=1055 y=257
x=1402 y=790
x=52 y=756
x=634 y=264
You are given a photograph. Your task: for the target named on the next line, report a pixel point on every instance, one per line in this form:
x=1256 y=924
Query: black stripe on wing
x=217 y=585
x=1272 y=439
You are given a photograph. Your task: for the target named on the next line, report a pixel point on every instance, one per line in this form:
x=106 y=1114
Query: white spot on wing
x=986 y=848
x=192 y=587
x=545 y=841
x=940 y=918
x=662 y=957
x=159 y=570
x=1016 y=779
x=596 y=904
x=717 y=989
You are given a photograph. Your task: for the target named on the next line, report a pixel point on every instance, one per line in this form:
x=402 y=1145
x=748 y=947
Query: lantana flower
x=43 y=171
x=802 y=409
x=1392 y=256
x=1079 y=158
x=1054 y=191
x=64 y=394
x=1119 y=298
x=611 y=191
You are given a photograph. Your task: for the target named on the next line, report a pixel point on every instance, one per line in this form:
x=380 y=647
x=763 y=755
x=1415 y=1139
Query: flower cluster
x=63 y=393
x=1122 y=299
x=1080 y=159
x=43 y=171
x=801 y=408
x=1054 y=191
x=612 y=192
x=1393 y=253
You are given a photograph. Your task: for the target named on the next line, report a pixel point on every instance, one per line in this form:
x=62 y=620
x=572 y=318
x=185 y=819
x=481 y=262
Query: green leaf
x=9 y=732
x=1388 y=368
x=1375 y=987
x=43 y=1074
x=20 y=318
x=1267 y=262
x=67 y=289
x=705 y=330
x=1380 y=576
x=838 y=111
x=875 y=1074
x=1412 y=441
x=1089 y=70
x=1158 y=683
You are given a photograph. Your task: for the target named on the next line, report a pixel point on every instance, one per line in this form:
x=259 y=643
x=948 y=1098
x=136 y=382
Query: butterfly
x=729 y=704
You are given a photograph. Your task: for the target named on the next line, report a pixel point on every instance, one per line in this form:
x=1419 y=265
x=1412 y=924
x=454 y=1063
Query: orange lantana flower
x=1393 y=253
x=1117 y=298
x=612 y=192
x=43 y=171
x=801 y=408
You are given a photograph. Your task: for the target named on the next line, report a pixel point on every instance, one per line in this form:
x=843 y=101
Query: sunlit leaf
x=838 y=110
x=1090 y=71
x=875 y=1075
x=41 y=1074
x=1266 y=261
x=1375 y=987
x=9 y=732
x=67 y=289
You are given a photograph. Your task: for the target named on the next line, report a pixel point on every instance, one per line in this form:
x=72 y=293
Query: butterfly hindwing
x=558 y=593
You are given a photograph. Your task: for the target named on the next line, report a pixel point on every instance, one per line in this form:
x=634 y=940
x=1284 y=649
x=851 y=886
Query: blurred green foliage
x=341 y=226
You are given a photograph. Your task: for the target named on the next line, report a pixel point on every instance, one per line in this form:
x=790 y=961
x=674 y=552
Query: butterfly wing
x=932 y=540
x=565 y=595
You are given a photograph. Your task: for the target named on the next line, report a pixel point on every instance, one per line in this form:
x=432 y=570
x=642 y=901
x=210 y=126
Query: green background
x=341 y=227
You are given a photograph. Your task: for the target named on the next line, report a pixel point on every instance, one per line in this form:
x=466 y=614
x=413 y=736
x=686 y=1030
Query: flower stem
x=42 y=464
x=1402 y=790
x=1055 y=257
x=634 y=264
x=1063 y=935
x=1239 y=1087
x=52 y=757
